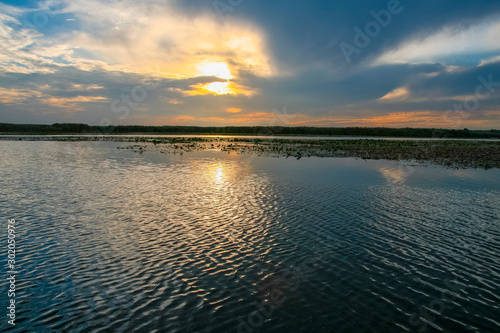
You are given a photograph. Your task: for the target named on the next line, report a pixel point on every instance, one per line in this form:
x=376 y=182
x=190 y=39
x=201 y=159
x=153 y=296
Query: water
x=114 y=241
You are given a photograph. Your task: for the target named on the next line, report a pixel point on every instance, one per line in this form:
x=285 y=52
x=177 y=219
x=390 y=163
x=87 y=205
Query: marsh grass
x=448 y=153
x=452 y=153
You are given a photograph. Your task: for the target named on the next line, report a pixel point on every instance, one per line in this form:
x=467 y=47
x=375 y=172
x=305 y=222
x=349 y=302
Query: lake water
x=109 y=240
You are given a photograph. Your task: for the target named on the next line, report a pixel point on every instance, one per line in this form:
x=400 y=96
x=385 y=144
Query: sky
x=406 y=63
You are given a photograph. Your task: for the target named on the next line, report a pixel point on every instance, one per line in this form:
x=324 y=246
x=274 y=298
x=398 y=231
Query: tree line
x=72 y=128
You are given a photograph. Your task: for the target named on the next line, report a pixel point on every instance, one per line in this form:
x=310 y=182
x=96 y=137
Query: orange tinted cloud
x=12 y=96
x=414 y=119
x=395 y=119
x=255 y=116
x=18 y=96
x=211 y=119
x=71 y=102
x=174 y=101
x=396 y=95
x=184 y=118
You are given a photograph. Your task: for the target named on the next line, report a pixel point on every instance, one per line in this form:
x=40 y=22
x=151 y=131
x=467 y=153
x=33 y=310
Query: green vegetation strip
x=69 y=128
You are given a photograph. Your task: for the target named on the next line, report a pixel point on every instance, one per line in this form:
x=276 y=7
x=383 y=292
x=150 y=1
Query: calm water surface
x=109 y=240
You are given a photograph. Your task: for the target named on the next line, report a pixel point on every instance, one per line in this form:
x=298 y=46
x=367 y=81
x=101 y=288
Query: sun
x=219 y=88
x=218 y=69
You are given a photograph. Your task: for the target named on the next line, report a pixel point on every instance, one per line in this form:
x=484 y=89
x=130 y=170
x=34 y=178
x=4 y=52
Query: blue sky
x=417 y=63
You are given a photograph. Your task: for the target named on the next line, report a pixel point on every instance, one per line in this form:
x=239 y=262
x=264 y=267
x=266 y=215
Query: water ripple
x=110 y=240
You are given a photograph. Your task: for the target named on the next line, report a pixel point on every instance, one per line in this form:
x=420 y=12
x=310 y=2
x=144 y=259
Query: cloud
x=182 y=118
x=255 y=117
x=185 y=64
x=22 y=96
x=397 y=94
x=17 y=96
x=404 y=94
x=426 y=119
x=446 y=43
x=139 y=36
x=71 y=103
x=132 y=37
x=490 y=61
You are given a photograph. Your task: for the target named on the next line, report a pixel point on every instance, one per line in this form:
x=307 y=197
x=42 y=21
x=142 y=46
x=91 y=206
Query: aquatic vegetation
x=448 y=153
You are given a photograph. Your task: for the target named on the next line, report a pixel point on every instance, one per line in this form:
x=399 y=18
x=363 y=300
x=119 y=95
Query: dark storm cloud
x=301 y=32
x=315 y=92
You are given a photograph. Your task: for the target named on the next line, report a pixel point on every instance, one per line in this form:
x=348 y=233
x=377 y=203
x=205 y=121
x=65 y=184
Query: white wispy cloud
x=490 y=61
x=448 y=42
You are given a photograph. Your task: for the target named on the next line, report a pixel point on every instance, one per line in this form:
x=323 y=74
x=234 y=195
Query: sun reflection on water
x=218 y=173
x=393 y=175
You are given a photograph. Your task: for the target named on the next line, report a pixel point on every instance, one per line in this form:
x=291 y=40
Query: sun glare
x=218 y=69
x=219 y=88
